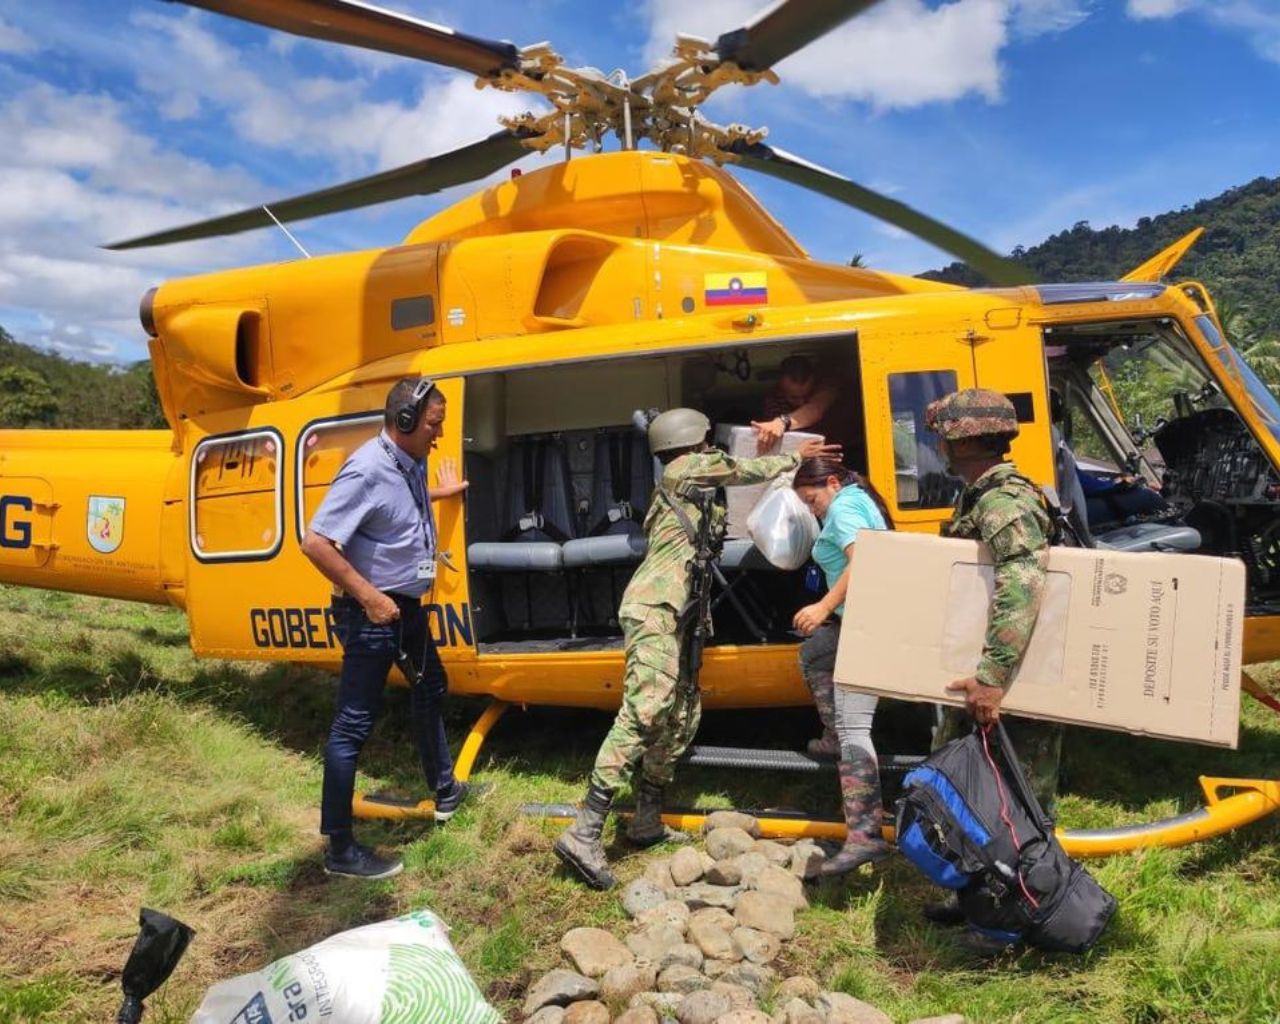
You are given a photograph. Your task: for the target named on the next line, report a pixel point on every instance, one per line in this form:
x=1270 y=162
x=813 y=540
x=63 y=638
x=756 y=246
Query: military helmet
x=973 y=412
x=677 y=428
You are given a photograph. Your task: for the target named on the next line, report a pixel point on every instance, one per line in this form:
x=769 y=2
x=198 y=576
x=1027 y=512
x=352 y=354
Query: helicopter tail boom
x=86 y=511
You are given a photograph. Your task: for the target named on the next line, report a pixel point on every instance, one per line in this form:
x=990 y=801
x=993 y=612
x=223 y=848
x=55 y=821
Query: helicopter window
x=1264 y=402
x=237 y=499
x=323 y=447
x=1156 y=377
x=920 y=475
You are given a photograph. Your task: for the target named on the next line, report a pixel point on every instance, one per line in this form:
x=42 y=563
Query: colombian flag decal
x=735 y=289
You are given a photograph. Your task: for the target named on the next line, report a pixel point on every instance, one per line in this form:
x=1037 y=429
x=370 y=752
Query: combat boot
x=860 y=793
x=646 y=828
x=580 y=845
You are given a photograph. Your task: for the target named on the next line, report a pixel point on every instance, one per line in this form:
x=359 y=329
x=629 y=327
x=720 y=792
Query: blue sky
x=1010 y=119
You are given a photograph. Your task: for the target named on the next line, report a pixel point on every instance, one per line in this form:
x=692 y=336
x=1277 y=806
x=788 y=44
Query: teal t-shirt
x=850 y=510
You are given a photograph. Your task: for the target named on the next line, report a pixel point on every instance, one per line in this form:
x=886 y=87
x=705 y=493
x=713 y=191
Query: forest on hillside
x=1237 y=257
x=42 y=389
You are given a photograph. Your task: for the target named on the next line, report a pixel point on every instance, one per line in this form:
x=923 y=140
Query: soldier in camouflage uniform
x=1009 y=514
x=660 y=709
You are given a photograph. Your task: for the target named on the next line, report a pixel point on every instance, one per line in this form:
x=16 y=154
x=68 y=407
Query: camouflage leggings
x=659 y=717
x=1037 y=744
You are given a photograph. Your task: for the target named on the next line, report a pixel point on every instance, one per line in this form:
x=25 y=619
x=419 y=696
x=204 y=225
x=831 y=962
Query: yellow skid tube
x=1250 y=800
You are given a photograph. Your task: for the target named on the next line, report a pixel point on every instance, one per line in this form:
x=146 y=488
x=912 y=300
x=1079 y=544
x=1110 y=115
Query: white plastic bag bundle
x=783 y=528
x=403 y=971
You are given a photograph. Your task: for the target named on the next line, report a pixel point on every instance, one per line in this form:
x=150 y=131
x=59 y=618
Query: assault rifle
x=694 y=624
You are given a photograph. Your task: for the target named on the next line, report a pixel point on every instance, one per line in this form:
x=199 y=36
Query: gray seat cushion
x=741 y=553
x=610 y=549
x=1150 y=537
x=515 y=556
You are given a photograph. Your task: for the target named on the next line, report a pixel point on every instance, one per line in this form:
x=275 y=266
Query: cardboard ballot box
x=740 y=442
x=1145 y=643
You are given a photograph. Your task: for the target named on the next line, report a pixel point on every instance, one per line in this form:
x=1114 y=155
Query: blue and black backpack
x=969 y=820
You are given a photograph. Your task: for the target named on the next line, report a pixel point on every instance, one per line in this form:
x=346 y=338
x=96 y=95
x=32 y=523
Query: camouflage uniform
x=1006 y=512
x=660 y=711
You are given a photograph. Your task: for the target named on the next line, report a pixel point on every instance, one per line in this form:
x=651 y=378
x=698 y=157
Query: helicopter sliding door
x=252 y=490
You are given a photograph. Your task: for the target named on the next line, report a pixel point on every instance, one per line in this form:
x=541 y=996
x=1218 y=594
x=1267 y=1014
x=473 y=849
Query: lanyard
x=423 y=512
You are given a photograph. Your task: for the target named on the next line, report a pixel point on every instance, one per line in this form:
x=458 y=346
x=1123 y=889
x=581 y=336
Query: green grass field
x=132 y=774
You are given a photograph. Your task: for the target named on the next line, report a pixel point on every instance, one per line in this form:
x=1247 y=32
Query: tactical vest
x=962 y=524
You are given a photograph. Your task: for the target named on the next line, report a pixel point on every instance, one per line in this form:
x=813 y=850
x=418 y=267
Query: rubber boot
x=646 y=828
x=860 y=792
x=579 y=845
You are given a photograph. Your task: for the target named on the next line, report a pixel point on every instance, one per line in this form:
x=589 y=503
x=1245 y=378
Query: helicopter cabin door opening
x=560 y=481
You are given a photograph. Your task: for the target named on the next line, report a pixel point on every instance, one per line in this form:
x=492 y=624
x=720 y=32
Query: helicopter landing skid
x=375 y=806
x=1249 y=800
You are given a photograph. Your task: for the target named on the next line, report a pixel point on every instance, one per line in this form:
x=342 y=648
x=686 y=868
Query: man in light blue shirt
x=374 y=538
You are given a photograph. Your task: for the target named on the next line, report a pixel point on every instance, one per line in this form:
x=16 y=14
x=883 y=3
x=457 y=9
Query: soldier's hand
x=381 y=609
x=814 y=449
x=982 y=702
x=809 y=618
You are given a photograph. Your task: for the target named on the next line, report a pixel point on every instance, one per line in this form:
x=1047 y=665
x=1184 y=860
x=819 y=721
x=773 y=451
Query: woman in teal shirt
x=845 y=504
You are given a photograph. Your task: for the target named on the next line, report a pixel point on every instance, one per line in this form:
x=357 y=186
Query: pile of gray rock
x=707 y=926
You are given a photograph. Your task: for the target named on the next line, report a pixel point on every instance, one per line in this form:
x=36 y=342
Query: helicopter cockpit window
x=1158 y=377
x=1263 y=401
x=920 y=472
x=236 y=500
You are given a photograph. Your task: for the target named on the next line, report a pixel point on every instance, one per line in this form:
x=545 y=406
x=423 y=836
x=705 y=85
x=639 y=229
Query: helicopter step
x=784 y=760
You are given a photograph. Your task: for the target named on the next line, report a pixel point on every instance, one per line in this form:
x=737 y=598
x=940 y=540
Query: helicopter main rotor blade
x=779 y=164
x=372 y=28
x=422 y=178
x=784 y=28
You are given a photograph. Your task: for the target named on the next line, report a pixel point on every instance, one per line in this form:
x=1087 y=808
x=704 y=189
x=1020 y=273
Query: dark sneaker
x=447 y=806
x=360 y=862
x=984 y=945
x=945 y=911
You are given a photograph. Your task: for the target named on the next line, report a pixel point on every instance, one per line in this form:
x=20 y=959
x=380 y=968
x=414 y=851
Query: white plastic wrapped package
x=782 y=528
x=403 y=971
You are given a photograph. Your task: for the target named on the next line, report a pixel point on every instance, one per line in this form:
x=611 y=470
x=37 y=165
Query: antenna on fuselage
x=287 y=233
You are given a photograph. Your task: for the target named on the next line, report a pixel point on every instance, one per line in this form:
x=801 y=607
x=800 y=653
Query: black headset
x=408 y=415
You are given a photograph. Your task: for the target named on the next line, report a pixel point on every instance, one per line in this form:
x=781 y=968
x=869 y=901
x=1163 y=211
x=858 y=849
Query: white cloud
x=900 y=53
x=14 y=40
x=1156 y=8
x=1257 y=20
x=82 y=168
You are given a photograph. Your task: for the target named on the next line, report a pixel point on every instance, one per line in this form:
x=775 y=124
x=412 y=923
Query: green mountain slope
x=41 y=389
x=1238 y=257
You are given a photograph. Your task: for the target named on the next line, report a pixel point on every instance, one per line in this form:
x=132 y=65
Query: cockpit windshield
x=1263 y=400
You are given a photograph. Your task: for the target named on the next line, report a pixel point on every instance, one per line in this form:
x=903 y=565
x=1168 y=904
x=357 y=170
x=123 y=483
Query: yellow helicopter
x=549 y=307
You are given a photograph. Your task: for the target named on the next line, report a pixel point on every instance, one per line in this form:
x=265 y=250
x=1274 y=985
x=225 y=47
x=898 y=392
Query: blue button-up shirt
x=383 y=521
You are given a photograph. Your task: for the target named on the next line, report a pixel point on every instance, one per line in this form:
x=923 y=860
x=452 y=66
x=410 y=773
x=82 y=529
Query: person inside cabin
x=374 y=538
x=806 y=397
x=845 y=504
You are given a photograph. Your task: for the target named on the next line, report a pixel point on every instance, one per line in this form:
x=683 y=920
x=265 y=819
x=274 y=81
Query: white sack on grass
x=403 y=971
x=783 y=528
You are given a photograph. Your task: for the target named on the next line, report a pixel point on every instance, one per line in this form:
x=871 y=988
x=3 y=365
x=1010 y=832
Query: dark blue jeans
x=368 y=652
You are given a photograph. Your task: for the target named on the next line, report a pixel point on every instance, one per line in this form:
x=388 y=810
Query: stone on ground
x=728 y=842
x=672 y=912
x=704 y=1007
x=655 y=941
x=620 y=983
x=844 y=1009
x=682 y=979
x=757 y=946
x=767 y=912
x=686 y=866
x=588 y=1012
x=638 y=1015
x=594 y=950
x=642 y=894
x=732 y=819
x=558 y=988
